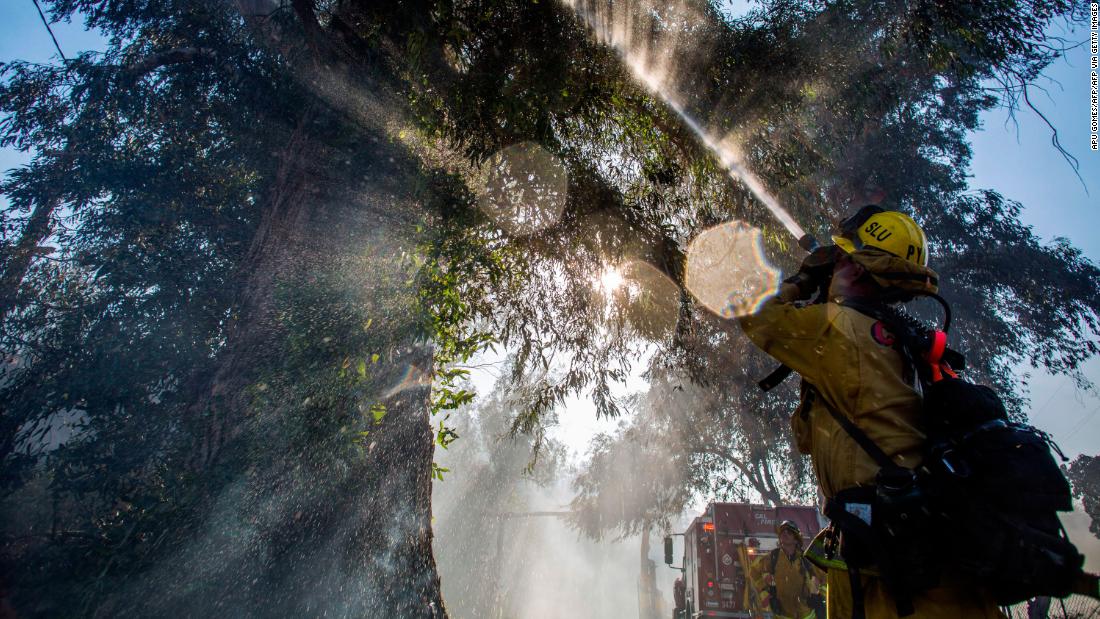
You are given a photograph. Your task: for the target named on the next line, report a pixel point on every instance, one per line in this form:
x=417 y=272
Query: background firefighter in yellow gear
x=847 y=361
x=786 y=583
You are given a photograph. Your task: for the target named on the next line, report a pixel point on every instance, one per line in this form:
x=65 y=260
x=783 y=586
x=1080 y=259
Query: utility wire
x=1051 y=398
x=1084 y=421
x=46 y=23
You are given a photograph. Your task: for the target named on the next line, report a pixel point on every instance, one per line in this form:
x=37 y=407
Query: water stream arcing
x=647 y=57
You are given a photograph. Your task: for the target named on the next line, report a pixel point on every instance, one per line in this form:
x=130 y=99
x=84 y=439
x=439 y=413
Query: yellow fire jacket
x=849 y=360
x=794 y=583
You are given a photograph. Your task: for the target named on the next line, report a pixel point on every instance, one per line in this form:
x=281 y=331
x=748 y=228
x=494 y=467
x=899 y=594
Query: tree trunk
x=277 y=244
x=313 y=439
x=648 y=597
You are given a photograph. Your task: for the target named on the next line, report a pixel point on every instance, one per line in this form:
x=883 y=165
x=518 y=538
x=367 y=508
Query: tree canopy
x=1084 y=472
x=258 y=240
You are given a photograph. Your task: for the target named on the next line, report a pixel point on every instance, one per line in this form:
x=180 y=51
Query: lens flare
x=727 y=271
x=525 y=190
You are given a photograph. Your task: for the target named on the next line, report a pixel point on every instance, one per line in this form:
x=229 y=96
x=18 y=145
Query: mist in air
x=378 y=310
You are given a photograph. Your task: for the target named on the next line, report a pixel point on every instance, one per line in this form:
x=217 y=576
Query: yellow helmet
x=891 y=232
x=790 y=526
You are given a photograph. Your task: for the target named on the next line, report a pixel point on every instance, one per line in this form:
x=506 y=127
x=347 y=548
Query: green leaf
x=378 y=412
x=445 y=436
x=438 y=471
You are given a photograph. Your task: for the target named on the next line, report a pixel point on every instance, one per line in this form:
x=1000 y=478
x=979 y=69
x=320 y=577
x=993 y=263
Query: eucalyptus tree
x=1084 y=472
x=482 y=506
x=268 y=247
x=274 y=254
x=702 y=429
x=879 y=103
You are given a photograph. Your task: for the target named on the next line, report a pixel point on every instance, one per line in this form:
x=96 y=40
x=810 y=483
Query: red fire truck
x=719 y=548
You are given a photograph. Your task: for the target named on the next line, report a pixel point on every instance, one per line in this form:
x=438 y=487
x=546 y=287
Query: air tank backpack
x=988 y=487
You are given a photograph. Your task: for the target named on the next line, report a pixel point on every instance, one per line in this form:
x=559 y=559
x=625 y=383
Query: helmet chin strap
x=858 y=286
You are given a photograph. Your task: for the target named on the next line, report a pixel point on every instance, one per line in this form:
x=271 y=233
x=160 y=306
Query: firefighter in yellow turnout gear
x=786 y=583
x=847 y=362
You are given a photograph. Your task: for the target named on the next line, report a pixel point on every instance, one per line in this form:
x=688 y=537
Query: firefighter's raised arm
x=790 y=333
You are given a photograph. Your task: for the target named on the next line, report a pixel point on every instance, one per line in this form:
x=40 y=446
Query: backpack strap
x=778 y=375
x=807 y=569
x=807 y=574
x=773 y=591
x=903 y=601
x=858 y=435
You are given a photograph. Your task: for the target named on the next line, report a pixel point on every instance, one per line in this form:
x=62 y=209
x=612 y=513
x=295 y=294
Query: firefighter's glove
x=815 y=272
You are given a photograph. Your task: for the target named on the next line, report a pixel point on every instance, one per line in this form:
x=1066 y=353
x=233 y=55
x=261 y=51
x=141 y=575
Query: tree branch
x=307 y=14
x=178 y=55
x=38 y=228
x=1076 y=165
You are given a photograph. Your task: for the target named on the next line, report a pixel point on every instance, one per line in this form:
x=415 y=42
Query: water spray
x=618 y=36
x=736 y=169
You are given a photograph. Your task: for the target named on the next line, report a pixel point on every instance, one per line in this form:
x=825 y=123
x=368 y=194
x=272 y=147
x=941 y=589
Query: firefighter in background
x=787 y=583
x=850 y=368
x=746 y=554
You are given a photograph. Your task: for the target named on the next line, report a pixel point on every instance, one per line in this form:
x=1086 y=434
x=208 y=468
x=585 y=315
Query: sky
x=1018 y=160
x=1015 y=158
x=23 y=37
